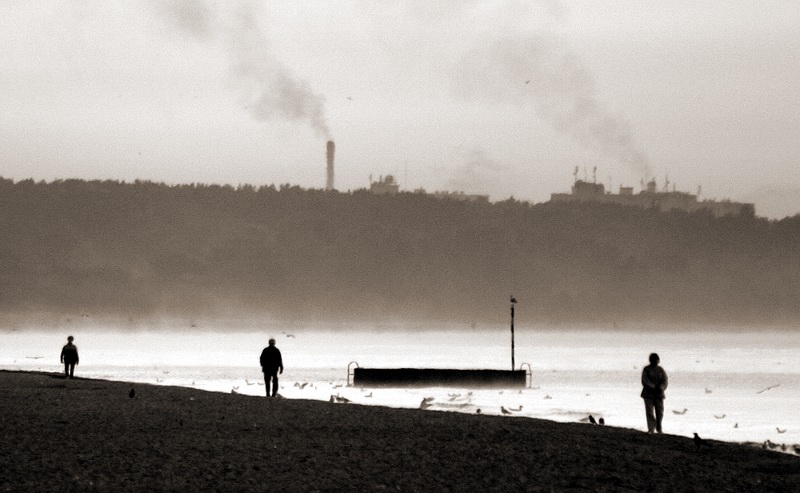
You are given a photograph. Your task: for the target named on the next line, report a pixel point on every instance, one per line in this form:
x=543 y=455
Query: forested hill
x=146 y=249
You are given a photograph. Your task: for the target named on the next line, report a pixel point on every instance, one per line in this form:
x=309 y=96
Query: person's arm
x=664 y=380
x=646 y=382
x=280 y=361
x=77 y=358
x=62 y=355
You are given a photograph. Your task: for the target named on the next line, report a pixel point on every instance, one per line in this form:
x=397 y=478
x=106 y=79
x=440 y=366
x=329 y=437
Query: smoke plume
x=536 y=68
x=269 y=89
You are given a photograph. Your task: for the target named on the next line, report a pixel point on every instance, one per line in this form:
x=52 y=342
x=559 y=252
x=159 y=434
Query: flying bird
x=699 y=442
x=289 y=335
x=680 y=412
x=592 y=420
x=780 y=431
x=719 y=416
x=708 y=391
x=768 y=388
x=736 y=425
x=132 y=394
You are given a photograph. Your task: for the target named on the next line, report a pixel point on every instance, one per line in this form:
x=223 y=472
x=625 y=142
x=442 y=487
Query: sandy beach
x=89 y=435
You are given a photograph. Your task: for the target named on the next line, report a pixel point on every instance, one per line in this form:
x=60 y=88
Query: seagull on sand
x=425 y=404
x=602 y=422
x=592 y=420
x=699 y=442
x=504 y=410
x=680 y=412
x=132 y=394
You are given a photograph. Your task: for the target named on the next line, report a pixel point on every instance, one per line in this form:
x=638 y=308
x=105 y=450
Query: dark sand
x=77 y=435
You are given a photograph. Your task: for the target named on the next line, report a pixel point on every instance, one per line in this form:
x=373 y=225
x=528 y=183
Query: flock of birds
x=456 y=400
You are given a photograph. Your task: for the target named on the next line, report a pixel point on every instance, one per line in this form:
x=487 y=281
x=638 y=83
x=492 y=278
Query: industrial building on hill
x=387 y=185
x=583 y=191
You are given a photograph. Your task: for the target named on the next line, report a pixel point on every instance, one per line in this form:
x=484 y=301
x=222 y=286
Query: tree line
x=151 y=249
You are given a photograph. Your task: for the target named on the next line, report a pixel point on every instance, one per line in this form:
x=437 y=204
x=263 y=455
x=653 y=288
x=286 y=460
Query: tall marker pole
x=513 y=302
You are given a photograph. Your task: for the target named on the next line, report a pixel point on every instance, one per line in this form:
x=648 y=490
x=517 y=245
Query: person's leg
x=659 y=405
x=267 y=382
x=649 y=412
x=66 y=370
x=275 y=384
x=71 y=370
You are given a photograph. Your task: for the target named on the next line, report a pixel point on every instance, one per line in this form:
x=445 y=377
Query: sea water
x=741 y=386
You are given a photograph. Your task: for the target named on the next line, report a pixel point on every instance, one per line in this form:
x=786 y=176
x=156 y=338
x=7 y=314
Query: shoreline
x=89 y=434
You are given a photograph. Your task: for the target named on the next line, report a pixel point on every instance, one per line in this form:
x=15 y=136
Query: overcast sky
x=494 y=97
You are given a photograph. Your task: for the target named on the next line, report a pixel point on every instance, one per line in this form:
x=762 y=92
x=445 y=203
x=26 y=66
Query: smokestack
x=330 y=154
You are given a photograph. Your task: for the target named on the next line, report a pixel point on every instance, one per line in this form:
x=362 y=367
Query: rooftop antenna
x=594 y=175
x=666 y=183
x=575 y=175
x=585 y=176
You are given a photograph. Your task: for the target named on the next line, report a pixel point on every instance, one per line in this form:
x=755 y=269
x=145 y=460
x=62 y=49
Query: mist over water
x=741 y=386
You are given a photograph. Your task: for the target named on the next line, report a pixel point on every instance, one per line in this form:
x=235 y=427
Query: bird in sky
x=680 y=412
x=699 y=442
x=779 y=430
x=289 y=335
x=719 y=416
x=768 y=388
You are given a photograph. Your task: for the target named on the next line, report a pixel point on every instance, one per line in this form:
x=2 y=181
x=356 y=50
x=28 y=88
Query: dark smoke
x=536 y=68
x=269 y=89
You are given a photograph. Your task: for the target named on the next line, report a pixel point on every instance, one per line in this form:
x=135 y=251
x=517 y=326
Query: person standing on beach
x=69 y=356
x=271 y=364
x=654 y=383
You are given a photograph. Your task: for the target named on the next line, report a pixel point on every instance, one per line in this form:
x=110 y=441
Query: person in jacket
x=654 y=383
x=271 y=364
x=69 y=356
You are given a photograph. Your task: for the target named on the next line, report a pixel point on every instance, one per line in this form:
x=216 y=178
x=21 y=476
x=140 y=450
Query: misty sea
x=738 y=386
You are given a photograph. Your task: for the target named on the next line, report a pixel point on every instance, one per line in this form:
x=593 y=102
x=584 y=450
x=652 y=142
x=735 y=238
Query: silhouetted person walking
x=69 y=356
x=271 y=365
x=654 y=383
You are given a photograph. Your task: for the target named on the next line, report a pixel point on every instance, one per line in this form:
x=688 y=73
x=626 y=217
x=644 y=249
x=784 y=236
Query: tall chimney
x=330 y=154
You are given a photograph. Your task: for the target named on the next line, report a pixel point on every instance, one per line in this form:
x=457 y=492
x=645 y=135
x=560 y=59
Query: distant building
x=583 y=191
x=384 y=186
x=460 y=196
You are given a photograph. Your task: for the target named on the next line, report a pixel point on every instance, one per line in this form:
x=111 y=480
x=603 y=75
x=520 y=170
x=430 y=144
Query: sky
x=504 y=98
